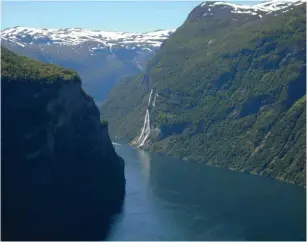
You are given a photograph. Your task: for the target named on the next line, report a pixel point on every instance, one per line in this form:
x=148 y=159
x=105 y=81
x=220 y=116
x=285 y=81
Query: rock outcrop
x=61 y=177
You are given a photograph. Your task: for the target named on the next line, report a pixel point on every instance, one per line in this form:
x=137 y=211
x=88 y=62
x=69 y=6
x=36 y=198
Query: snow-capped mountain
x=220 y=14
x=75 y=36
x=101 y=58
x=260 y=9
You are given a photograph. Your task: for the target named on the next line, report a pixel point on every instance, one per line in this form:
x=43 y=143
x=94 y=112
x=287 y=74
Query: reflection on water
x=144 y=160
x=169 y=199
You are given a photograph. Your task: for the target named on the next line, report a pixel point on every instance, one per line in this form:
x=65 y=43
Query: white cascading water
x=150 y=97
x=146 y=126
x=146 y=130
x=154 y=101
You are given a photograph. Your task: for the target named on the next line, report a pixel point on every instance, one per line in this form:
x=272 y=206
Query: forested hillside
x=59 y=170
x=227 y=89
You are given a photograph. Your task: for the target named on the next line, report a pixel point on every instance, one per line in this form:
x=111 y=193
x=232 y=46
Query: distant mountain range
x=100 y=57
x=23 y=36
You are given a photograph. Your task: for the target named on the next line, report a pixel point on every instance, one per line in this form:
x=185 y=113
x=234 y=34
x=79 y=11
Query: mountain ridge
x=101 y=58
x=226 y=93
x=265 y=6
x=74 y=36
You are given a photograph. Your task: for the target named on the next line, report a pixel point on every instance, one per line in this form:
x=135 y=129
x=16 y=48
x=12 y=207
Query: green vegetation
x=104 y=122
x=125 y=108
x=231 y=96
x=20 y=68
x=52 y=146
x=99 y=72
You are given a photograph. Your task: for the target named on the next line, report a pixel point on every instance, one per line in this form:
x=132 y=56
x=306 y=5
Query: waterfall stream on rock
x=146 y=126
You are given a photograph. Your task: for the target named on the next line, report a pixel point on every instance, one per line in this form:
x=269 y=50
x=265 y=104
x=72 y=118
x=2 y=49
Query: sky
x=125 y=16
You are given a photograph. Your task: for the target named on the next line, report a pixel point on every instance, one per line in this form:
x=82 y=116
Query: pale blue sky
x=129 y=16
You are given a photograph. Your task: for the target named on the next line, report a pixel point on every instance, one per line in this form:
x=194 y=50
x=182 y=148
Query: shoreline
x=187 y=159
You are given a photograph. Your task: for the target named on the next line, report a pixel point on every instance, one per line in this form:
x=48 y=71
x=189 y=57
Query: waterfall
x=146 y=130
x=150 y=97
x=154 y=101
x=138 y=65
x=146 y=126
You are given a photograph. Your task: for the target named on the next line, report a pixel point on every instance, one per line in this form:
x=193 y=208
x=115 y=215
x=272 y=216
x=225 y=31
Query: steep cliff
x=61 y=177
x=228 y=89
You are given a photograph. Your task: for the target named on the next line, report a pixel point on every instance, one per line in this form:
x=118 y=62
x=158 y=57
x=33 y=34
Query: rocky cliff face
x=61 y=177
x=230 y=91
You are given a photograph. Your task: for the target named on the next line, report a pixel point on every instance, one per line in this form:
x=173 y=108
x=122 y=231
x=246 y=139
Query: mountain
x=101 y=58
x=61 y=178
x=227 y=89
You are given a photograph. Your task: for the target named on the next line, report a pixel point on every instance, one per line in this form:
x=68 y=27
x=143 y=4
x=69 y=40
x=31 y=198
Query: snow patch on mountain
x=275 y=5
x=76 y=36
x=264 y=7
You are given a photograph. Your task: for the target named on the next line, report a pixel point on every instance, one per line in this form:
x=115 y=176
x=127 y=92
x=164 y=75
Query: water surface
x=170 y=199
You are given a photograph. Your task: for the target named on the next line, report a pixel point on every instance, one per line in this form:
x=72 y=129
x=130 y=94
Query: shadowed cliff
x=61 y=177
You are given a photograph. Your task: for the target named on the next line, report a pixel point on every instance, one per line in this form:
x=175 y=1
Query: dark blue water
x=169 y=199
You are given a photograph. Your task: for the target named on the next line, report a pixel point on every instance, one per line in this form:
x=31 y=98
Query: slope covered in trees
x=230 y=92
x=61 y=178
